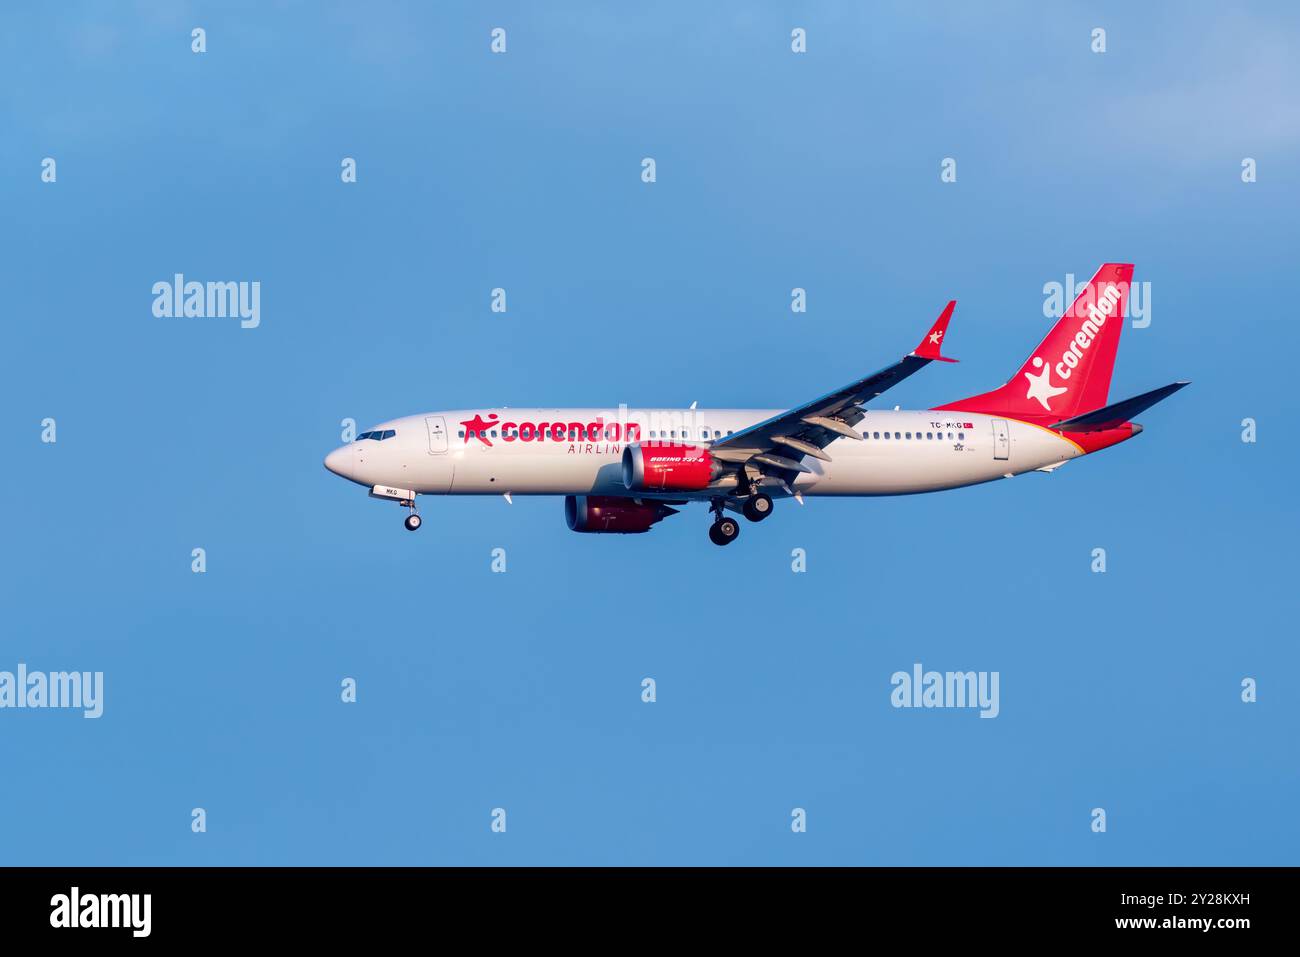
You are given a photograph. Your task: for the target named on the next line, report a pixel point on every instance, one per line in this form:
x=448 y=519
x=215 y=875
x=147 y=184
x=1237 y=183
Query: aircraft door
x=437 y=434
x=1001 y=439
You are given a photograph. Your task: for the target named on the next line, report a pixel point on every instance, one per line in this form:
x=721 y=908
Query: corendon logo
x=478 y=429
x=1040 y=385
x=597 y=431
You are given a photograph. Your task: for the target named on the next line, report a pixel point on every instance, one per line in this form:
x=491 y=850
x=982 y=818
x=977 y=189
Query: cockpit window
x=388 y=434
x=378 y=435
x=365 y=435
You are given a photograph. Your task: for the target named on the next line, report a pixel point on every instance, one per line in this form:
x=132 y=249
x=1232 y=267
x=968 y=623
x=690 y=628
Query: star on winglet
x=929 y=347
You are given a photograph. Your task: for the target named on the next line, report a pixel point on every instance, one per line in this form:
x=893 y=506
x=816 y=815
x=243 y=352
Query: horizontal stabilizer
x=1113 y=416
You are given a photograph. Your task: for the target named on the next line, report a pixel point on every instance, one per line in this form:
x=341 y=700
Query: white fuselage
x=578 y=451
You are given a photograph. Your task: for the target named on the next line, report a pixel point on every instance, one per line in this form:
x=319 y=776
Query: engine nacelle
x=605 y=513
x=667 y=468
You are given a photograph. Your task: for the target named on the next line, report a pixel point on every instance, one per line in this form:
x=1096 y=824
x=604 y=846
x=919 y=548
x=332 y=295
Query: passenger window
x=961 y=436
x=717 y=435
x=909 y=435
x=460 y=434
x=876 y=436
x=898 y=435
x=929 y=435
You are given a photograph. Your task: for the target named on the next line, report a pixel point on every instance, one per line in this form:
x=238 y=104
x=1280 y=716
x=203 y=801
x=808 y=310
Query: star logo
x=1040 y=386
x=477 y=428
x=936 y=336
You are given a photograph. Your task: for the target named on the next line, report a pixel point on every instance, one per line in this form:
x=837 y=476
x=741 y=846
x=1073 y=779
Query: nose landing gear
x=413 y=521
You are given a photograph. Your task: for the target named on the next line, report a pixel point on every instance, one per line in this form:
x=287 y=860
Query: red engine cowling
x=667 y=468
x=603 y=513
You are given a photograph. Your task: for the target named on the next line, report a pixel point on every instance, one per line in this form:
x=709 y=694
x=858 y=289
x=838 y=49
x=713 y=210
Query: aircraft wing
x=775 y=446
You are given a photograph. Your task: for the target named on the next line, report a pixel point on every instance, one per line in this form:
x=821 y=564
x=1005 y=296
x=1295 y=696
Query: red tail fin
x=1069 y=372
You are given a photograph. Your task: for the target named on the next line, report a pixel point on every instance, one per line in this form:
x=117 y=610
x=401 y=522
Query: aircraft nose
x=340 y=461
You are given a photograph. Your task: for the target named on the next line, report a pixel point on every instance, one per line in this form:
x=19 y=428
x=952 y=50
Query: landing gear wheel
x=412 y=522
x=724 y=531
x=757 y=507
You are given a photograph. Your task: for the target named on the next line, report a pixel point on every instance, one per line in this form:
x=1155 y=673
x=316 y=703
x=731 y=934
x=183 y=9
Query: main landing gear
x=413 y=521
x=757 y=507
x=726 y=529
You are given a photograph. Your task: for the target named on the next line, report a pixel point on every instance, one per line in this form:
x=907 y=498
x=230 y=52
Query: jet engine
x=667 y=468
x=605 y=513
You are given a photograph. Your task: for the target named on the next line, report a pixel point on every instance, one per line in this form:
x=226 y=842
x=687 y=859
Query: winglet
x=929 y=347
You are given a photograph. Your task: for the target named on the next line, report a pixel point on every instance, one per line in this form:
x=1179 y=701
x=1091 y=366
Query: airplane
x=623 y=471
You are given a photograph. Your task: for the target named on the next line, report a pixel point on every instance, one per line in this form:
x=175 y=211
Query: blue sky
x=522 y=690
